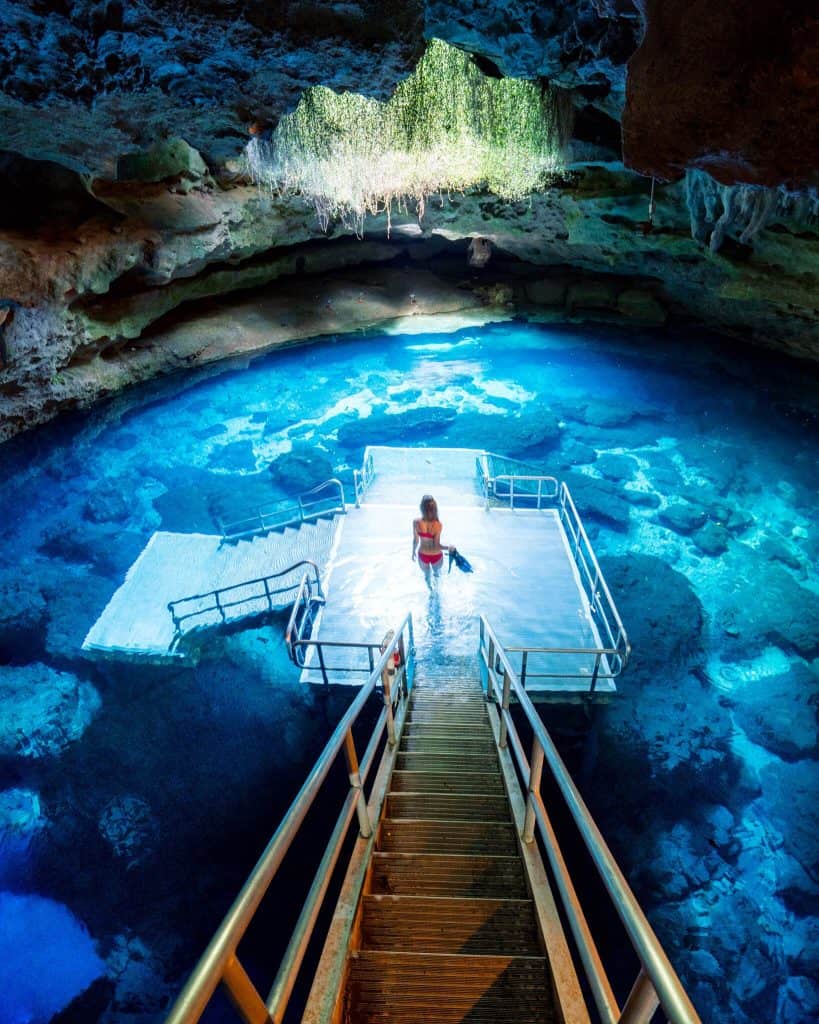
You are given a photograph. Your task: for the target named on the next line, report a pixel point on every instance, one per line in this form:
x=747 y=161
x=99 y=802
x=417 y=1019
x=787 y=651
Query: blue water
x=137 y=804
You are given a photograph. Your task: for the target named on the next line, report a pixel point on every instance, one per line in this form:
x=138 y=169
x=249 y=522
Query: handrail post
x=219 y=605
x=364 y=823
x=267 y=593
x=535 y=772
x=593 y=686
x=642 y=1001
x=387 y=678
x=523 y=663
x=507 y=687
x=243 y=994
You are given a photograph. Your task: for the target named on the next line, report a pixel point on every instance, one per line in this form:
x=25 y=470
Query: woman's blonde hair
x=428 y=502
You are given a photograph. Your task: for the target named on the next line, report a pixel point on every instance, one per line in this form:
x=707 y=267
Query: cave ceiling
x=731 y=88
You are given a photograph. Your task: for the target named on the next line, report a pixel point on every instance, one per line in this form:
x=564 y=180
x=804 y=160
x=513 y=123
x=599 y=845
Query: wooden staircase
x=446 y=930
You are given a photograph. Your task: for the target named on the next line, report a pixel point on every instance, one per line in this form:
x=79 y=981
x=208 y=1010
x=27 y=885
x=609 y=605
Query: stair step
x=478 y=731
x=447 y=806
x=446 y=782
x=402 y=874
x=455 y=837
x=430 y=924
x=446 y=744
x=413 y=987
x=446 y=760
x=422 y=714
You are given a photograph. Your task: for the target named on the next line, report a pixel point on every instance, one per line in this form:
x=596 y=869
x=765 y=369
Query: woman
x=426 y=537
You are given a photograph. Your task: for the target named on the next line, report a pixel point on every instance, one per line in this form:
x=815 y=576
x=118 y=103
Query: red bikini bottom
x=430 y=559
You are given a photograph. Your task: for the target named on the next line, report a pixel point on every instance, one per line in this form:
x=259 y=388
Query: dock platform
x=525 y=580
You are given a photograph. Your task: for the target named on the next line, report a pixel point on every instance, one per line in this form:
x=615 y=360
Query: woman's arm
x=414 y=537
x=443 y=547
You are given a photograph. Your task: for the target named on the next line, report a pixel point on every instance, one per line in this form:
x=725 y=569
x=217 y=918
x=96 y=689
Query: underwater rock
x=711 y=539
x=776 y=550
x=599 y=500
x=642 y=499
x=233 y=457
x=761 y=604
x=682 y=517
x=138 y=975
x=791 y=803
x=108 y=503
x=170 y=158
x=602 y=414
x=619 y=468
x=661 y=610
x=385 y=428
x=129 y=826
x=73 y=603
x=798 y=1001
x=779 y=713
x=44 y=711
x=21 y=821
x=22 y=617
x=574 y=453
x=300 y=469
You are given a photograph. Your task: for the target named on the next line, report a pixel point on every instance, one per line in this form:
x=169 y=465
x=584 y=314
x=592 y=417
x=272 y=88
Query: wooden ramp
x=136 y=622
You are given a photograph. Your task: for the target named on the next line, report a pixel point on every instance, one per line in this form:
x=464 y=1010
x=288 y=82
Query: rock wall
x=128 y=210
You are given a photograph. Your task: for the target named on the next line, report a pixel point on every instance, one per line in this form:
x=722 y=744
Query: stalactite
x=743 y=211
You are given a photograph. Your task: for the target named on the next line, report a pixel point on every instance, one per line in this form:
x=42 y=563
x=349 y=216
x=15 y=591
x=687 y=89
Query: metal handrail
x=611 y=656
x=220 y=962
x=547 y=486
x=266 y=517
x=222 y=607
x=657 y=982
x=592 y=576
x=362 y=478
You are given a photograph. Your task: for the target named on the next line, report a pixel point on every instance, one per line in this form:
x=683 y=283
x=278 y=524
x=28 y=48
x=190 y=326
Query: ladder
x=446 y=928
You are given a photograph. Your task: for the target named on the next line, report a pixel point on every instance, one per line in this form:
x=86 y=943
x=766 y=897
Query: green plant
x=446 y=128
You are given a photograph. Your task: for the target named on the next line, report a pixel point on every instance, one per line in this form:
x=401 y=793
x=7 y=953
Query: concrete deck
x=136 y=622
x=524 y=583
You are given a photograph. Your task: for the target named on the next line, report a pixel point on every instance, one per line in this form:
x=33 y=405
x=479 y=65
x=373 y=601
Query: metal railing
x=612 y=653
x=524 y=488
x=286 y=511
x=657 y=983
x=220 y=962
x=255 y=595
x=362 y=478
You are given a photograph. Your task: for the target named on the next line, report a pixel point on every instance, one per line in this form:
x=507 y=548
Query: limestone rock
x=761 y=603
x=129 y=826
x=22 y=616
x=792 y=806
x=300 y=470
x=600 y=500
x=21 y=821
x=138 y=975
x=780 y=713
x=44 y=710
x=685 y=74
x=663 y=614
x=682 y=517
x=171 y=158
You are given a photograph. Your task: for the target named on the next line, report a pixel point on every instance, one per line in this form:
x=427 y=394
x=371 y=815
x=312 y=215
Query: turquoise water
x=134 y=799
